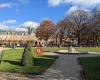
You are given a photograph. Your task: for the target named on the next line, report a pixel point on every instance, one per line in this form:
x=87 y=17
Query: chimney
x=29 y=30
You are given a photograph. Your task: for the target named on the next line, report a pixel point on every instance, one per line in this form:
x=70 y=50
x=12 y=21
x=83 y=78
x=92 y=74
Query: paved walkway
x=65 y=68
x=69 y=67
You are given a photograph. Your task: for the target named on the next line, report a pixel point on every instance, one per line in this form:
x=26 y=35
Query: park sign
x=39 y=51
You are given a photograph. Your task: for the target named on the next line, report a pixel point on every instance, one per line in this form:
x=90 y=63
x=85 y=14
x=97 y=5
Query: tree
x=27 y=57
x=79 y=20
x=94 y=22
x=45 y=30
x=65 y=30
x=61 y=31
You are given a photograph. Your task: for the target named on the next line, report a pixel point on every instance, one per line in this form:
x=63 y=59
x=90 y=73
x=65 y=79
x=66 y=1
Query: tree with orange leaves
x=45 y=30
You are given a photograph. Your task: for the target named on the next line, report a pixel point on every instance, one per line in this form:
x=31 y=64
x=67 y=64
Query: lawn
x=54 y=49
x=91 y=67
x=12 y=58
x=88 y=49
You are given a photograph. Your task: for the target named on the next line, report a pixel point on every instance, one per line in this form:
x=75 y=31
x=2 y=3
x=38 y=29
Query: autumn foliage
x=45 y=30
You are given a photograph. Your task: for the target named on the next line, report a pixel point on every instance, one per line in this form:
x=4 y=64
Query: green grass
x=12 y=58
x=53 y=49
x=86 y=49
x=91 y=67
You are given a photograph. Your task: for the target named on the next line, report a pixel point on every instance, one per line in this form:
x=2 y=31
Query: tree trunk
x=78 y=39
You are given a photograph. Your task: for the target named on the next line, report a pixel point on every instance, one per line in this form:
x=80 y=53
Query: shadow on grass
x=47 y=51
x=66 y=53
x=13 y=62
x=77 y=53
x=45 y=61
x=60 y=52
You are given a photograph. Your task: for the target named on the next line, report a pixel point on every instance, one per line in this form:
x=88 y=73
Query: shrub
x=27 y=57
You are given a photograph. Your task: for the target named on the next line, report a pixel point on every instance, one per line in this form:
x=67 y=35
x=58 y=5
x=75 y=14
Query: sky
x=19 y=14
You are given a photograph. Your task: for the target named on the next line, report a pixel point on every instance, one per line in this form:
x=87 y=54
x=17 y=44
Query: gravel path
x=65 y=68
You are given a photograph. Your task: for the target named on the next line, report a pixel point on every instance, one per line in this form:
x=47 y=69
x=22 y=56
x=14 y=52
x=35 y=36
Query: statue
x=70 y=50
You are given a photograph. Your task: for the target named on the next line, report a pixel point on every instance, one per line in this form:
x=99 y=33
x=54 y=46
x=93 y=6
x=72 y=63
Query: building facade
x=16 y=38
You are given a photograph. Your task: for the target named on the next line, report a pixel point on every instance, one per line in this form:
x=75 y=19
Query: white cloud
x=11 y=4
x=21 y=29
x=54 y=3
x=24 y=1
x=79 y=3
x=3 y=27
x=74 y=8
x=31 y=24
x=7 y=24
x=10 y=22
x=25 y=25
x=7 y=5
x=83 y=3
x=86 y=5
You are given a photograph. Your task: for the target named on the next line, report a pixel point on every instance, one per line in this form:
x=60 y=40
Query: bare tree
x=61 y=33
x=95 y=24
x=79 y=18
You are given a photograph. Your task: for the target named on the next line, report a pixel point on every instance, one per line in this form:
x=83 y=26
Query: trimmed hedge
x=27 y=57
